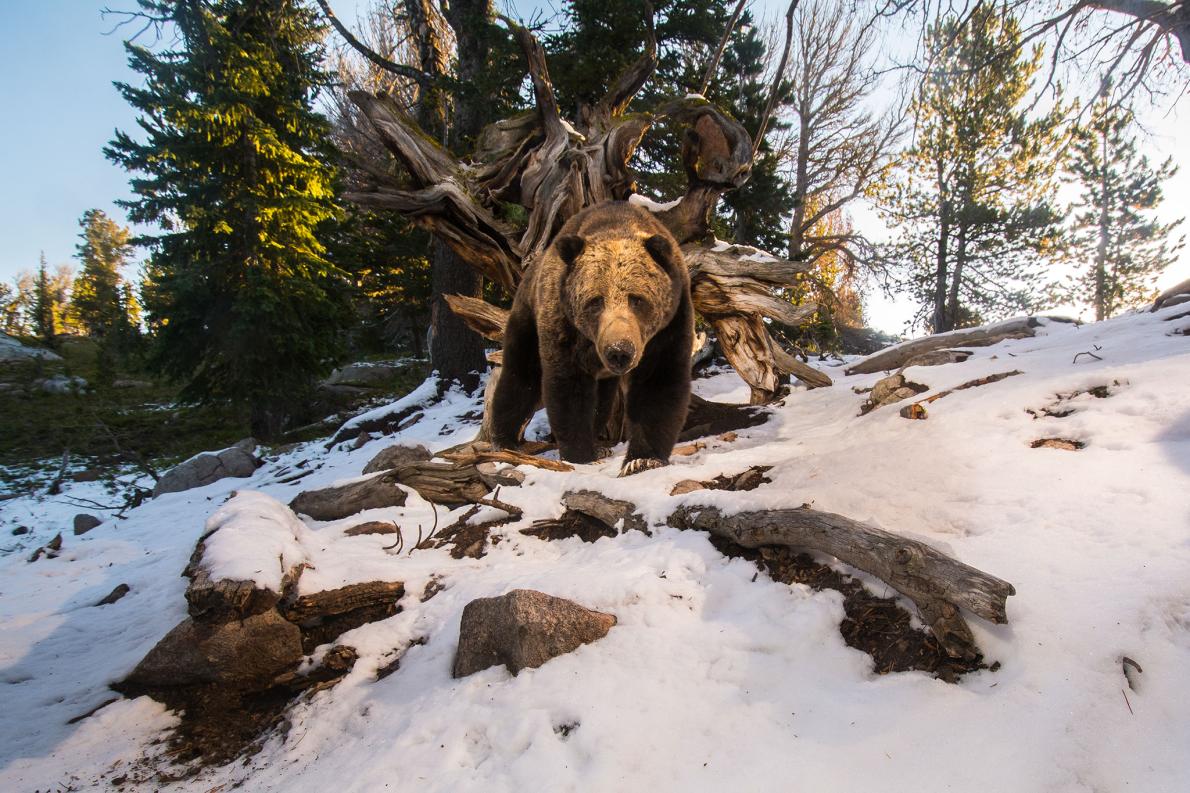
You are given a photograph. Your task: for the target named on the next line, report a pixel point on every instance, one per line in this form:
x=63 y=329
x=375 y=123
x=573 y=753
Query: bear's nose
x=619 y=356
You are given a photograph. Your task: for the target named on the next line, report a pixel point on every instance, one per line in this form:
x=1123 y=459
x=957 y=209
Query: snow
x=710 y=680
x=254 y=537
x=418 y=396
x=651 y=204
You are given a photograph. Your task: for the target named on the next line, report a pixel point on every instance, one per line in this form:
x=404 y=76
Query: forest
x=997 y=145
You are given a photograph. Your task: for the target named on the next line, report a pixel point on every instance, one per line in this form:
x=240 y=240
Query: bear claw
x=641 y=464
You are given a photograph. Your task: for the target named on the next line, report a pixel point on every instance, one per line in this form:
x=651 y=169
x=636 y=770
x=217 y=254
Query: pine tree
x=244 y=305
x=591 y=51
x=1122 y=249
x=973 y=201
x=18 y=306
x=96 y=303
x=43 y=306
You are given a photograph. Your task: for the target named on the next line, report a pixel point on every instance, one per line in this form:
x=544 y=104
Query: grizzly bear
x=606 y=308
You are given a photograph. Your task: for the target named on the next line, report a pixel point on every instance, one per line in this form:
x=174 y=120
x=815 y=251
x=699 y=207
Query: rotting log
x=450 y=484
x=937 y=584
x=902 y=355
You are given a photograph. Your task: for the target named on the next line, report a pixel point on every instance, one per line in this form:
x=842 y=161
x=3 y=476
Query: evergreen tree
x=97 y=300
x=973 y=201
x=1123 y=250
x=43 y=306
x=245 y=307
x=17 y=307
x=590 y=53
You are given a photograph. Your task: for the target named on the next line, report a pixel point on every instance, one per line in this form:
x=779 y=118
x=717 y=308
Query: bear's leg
x=570 y=402
x=657 y=403
x=519 y=388
x=609 y=390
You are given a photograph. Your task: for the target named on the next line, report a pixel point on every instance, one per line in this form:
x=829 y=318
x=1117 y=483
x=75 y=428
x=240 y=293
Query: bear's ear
x=662 y=251
x=570 y=247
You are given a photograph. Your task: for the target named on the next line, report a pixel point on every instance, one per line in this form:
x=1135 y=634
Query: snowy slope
x=710 y=681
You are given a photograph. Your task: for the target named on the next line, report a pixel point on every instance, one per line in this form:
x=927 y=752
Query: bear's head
x=622 y=285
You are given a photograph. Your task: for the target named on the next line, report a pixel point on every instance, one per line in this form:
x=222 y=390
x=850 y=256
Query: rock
x=523 y=629
x=83 y=523
x=131 y=384
x=49 y=550
x=114 y=595
x=333 y=503
x=19 y=530
x=362 y=439
x=60 y=384
x=13 y=350
x=208 y=467
x=87 y=475
x=396 y=456
x=241 y=653
x=363 y=375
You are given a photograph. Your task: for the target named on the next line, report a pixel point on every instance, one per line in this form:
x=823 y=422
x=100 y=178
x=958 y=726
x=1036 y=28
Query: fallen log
x=901 y=355
x=937 y=584
x=1176 y=294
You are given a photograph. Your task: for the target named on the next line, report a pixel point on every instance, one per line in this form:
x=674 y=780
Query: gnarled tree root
x=938 y=585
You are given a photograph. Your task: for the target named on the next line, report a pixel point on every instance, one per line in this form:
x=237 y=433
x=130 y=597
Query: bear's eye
x=594 y=305
x=636 y=302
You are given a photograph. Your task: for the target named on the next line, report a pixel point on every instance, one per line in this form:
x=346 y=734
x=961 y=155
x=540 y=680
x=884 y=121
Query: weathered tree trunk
x=956 y=280
x=940 y=267
x=553 y=169
x=901 y=355
x=455 y=351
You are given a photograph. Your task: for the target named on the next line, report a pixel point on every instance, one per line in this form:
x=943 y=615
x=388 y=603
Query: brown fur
x=610 y=300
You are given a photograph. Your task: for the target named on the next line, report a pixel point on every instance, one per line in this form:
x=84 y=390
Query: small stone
x=19 y=530
x=114 y=595
x=686 y=486
x=363 y=438
x=49 y=550
x=203 y=469
x=242 y=653
x=524 y=629
x=397 y=456
x=83 y=523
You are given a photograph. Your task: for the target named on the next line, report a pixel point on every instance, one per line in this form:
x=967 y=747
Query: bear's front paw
x=603 y=452
x=631 y=467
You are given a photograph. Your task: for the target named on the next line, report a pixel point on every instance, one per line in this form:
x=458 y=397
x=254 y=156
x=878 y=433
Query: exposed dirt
x=571 y=524
x=878 y=626
x=1065 y=444
x=219 y=724
x=1060 y=408
x=749 y=479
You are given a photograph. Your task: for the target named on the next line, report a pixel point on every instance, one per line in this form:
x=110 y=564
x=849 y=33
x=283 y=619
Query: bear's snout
x=620 y=356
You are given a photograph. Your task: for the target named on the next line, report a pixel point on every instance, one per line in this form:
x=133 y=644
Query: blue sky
x=61 y=108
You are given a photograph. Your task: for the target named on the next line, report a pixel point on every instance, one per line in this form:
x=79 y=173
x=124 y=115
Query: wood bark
x=1167 y=297
x=937 y=584
x=900 y=355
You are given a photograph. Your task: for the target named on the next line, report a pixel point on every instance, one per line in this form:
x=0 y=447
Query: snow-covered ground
x=710 y=681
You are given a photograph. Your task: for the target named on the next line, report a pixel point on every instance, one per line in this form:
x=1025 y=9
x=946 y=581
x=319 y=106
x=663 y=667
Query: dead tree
x=500 y=208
